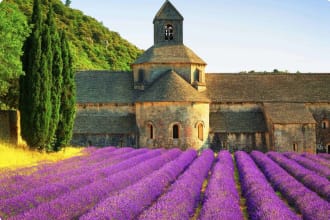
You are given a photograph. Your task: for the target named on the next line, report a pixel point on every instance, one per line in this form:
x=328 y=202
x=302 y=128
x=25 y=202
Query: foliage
x=67 y=99
x=275 y=71
x=35 y=87
x=93 y=46
x=47 y=93
x=13 y=31
x=56 y=75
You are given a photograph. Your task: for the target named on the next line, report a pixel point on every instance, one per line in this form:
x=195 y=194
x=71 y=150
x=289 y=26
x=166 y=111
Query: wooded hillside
x=93 y=45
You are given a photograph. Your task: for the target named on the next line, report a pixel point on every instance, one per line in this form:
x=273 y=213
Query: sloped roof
x=288 y=113
x=172 y=88
x=168 y=11
x=104 y=124
x=105 y=87
x=268 y=87
x=169 y=54
x=237 y=122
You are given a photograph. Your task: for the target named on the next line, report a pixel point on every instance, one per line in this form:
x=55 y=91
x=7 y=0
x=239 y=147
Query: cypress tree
x=35 y=86
x=68 y=98
x=57 y=66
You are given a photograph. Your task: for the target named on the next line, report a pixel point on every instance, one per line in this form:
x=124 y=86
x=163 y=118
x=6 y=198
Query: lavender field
x=126 y=183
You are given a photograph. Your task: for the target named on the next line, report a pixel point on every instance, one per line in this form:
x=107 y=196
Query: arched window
x=324 y=124
x=200 y=131
x=151 y=131
x=175 y=131
x=168 y=32
x=295 y=147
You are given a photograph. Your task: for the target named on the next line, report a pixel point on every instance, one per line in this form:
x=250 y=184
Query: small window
x=175 y=131
x=295 y=147
x=200 y=131
x=141 y=76
x=168 y=32
x=324 y=124
x=196 y=75
x=151 y=131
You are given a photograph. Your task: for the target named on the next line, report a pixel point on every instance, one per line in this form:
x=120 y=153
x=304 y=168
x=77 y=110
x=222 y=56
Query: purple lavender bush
x=306 y=201
x=21 y=183
x=310 y=164
x=77 y=202
x=317 y=159
x=324 y=155
x=221 y=199
x=261 y=200
x=181 y=199
x=34 y=197
x=310 y=179
x=129 y=202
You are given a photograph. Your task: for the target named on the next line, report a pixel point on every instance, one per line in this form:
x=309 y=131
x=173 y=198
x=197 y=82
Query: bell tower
x=168 y=26
x=168 y=53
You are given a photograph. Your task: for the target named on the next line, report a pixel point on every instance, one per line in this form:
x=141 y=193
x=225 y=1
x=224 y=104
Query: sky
x=231 y=35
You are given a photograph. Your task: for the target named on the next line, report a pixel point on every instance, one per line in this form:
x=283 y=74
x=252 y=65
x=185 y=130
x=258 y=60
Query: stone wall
x=154 y=71
x=4 y=126
x=301 y=135
x=163 y=115
x=321 y=114
x=235 y=136
x=10 y=127
x=105 y=125
x=238 y=141
x=101 y=140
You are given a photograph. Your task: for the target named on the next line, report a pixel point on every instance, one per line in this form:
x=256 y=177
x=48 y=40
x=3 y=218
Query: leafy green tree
x=68 y=97
x=13 y=31
x=35 y=87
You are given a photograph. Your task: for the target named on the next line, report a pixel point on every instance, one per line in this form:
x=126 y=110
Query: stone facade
x=321 y=113
x=105 y=125
x=239 y=126
x=192 y=120
x=294 y=137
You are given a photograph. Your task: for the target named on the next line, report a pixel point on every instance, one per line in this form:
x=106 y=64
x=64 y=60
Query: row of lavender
x=159 y=184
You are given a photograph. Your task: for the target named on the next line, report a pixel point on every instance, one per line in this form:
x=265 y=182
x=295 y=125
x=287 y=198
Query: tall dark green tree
x=68 y=97
x=56 y=75
x=35 y=86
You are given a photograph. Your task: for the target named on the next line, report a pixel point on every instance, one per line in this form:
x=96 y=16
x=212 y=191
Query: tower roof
x=170 y=87
x=168 y=11
x=169 y=54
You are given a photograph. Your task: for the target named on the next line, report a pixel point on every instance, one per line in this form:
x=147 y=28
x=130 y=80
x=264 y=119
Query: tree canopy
x=13 y=31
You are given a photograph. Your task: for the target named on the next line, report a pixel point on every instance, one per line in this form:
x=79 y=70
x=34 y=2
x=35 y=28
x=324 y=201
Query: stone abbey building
x=169 y=101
